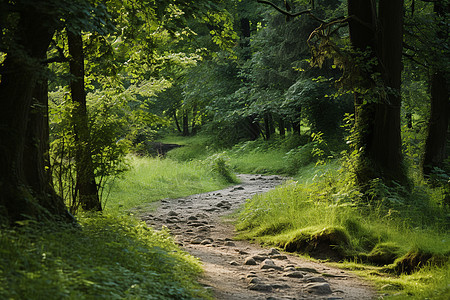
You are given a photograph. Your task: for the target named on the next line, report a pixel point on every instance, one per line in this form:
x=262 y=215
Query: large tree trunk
x=25 y=185
x=86 y=185
x=378 y=120
x=435 y=144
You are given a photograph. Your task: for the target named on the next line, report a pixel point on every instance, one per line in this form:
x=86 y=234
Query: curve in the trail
x=239 y=269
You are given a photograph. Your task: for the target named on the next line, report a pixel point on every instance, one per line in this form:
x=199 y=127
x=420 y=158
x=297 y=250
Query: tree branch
x=284 y=12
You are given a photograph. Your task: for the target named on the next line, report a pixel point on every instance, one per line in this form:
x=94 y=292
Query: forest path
x=239 y=269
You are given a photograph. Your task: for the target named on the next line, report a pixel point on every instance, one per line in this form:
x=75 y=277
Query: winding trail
x=241 y=270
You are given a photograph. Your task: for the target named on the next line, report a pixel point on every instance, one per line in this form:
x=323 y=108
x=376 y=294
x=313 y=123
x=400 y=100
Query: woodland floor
x=239 y=269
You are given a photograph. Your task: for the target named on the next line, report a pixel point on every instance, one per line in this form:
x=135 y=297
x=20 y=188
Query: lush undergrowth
x=152 y=179
x=105 y=258
x=278 y=156
x=389 y=237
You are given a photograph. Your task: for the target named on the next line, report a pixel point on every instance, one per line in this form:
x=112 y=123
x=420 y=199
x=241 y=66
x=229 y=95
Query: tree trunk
x=176 y=121
x=378 y=120
x=25 y=185
x=282 y=127
x=435 y=144
x=86 y=185
x=193 y=125
x=267 y=125
x=185 y=124
x=253 y=127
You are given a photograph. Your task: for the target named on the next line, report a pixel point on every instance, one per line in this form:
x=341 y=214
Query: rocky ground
x=239 y=269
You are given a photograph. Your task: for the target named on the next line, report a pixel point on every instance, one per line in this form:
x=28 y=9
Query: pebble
x=269 y=264
x=295 y=274
x=253 y=280
x=280 y=286
x=172 y=220
x=279 y=256
x=315 y=279
x=321 y=288
x=274 y=251
x=308 y=270
x=249 y=261
x=261 y=287
x=234 y=263
x=259 y=257
x=172 y=213
x=196 y=241
x=229 y=243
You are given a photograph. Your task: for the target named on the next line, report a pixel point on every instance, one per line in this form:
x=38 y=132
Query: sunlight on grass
x=106 y=258
x=152 y=179
x=296 y=215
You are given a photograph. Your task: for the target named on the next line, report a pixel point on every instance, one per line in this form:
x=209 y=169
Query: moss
x=416 y=259
x=328 y=243
x=384 y=254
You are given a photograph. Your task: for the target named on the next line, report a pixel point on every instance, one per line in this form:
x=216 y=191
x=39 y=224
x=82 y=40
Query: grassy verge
x=111 y=256
x=107 y=258
x=152 y=179
x=401 y=244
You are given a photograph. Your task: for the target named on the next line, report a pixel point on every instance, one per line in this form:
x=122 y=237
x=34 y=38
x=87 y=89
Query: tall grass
x=322 y=201
x=152 y=179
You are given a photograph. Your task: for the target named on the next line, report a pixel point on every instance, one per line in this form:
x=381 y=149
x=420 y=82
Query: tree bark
x=185 y=124
x=282 y=127
x=86 y=185
x=377 y=120
x=25 y=184
x=176 y=121
x=435 y=144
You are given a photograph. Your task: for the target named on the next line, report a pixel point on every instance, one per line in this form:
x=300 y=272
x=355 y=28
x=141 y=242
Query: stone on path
x=196 y=241
x=269 y=264
x=308 y=270
x=321 y=288
x=229 y=244
x=315 y=279
x=249 y=261
x=295 y=274
x=261 y=287
x=274 y=251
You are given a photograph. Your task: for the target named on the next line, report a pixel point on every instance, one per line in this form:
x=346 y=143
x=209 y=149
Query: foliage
x=104 y=258
x=379 y=231
x=108 y=151
x=220 y=166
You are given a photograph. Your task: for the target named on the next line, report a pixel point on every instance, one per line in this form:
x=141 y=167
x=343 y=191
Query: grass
x=111 y=256
x=152 y=179
x=106 y=258
x=319 y=217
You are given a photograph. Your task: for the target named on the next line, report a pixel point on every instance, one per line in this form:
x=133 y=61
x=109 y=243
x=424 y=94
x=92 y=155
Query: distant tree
x=373 y=73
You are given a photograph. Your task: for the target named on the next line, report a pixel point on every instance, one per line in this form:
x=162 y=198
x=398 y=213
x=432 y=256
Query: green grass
x=106 y=258
x=320 y=216
x=152 y=179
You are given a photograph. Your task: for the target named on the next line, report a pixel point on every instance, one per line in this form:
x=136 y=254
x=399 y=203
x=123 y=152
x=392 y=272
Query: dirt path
x=240 y=270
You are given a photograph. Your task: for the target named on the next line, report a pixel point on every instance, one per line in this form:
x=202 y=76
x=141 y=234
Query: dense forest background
x=356 y=90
